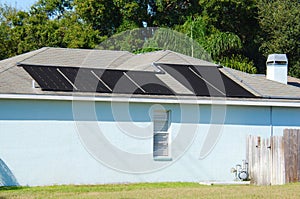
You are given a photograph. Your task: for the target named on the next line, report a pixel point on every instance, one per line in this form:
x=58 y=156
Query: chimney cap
x=277 y=58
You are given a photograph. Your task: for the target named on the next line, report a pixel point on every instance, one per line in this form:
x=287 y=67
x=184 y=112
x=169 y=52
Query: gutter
x=178 y=100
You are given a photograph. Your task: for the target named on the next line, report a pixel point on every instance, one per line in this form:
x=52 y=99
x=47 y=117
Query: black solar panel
x=233 y=89
x=201 y=80
x=149 y=83
x=49 y=78
x=206 y=81
x=118 y=82
x=96 y=80
x=84 y=80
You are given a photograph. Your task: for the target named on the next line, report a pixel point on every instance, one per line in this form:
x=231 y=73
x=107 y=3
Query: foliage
x=53 y=8
x=46 y=24
x=196 y=28
x=146 y=50
x=178 y=42
x=130 y=40
x=216 y=43
x=221 y=44
x=223 y=30
x=239 y=62
x=7 y=46
x=103 y=15
x=132 y=12
x=294 y=71
x=237 y=17
x=280 y=24
x=173 y=12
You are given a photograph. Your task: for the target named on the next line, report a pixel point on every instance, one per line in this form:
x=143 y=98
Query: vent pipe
x=277 y=66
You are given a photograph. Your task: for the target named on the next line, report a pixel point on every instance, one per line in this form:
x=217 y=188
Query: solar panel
x=118 y=82
x=201 y=80
x=49 y=78
x=96 y=80
x=149 y=83
x=188 y=79
x=84 y=80
x=233 y=89
x=206 y=81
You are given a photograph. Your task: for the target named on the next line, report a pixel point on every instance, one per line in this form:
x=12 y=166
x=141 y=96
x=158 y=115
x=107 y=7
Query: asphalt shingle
x=15 y=80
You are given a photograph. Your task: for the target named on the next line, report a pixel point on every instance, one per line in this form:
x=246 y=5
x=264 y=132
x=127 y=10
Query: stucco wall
x=41 y=144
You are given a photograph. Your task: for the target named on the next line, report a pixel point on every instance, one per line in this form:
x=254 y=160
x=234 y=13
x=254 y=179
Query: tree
x=132 y=13
x=22 y=32
x=239 y=62
x=224 y=47
x=238 y=17
x=54 y=9
x=103 y=15
x=280 y=24
x=8 y=43
x=169 y=13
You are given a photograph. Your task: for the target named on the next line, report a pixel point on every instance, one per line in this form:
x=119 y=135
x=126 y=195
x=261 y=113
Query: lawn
x=153 y=190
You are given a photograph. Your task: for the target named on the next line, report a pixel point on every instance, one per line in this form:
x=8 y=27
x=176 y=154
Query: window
x=161 y=135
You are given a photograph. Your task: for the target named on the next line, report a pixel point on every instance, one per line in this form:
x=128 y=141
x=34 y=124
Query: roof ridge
x=113 y=61
x=38 y=52
x=166 y=52
x=10 y=63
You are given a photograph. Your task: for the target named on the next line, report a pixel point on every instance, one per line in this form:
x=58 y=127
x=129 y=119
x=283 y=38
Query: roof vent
x=277 y=66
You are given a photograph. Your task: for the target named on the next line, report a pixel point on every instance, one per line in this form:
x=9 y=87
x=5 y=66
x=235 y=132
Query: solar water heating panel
x=48 y=78
x=206 y=81
x=84 y=80
x=118 y=81
x=149 y=83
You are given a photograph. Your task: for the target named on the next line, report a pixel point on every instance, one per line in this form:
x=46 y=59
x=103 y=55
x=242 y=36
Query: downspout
x=271 y=120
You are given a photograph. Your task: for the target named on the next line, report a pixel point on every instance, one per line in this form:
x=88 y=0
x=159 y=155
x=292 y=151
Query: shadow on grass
x=8 y=188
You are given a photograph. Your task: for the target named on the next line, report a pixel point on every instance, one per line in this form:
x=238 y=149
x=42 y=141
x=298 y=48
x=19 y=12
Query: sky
x=20 y=4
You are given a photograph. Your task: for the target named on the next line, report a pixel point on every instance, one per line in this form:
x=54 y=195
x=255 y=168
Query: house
x=74 y=116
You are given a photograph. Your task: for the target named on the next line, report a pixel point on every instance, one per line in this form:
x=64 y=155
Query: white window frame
x=168 y=132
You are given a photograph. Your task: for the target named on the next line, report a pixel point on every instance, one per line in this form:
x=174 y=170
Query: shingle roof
x=260 y=86
x=78 y=58
x=15 y=80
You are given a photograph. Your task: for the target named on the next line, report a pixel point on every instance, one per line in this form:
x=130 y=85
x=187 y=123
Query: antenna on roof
x=192 y=38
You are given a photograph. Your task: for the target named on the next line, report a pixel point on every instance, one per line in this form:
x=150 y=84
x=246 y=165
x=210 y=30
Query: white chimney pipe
x=277 y=67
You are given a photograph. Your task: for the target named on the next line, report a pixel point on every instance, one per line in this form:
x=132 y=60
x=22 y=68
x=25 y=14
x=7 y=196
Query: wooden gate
x=292 y=154
x=274 y=160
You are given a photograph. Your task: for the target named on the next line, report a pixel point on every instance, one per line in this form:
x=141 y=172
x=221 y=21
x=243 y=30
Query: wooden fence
x=274 y=160
x=292 y=155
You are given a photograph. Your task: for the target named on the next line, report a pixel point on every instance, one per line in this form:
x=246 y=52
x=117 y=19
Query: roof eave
x=194 y=100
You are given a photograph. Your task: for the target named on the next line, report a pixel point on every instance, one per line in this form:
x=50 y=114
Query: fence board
x=277 y=174
x=298 y=143
x=287 y=158
x=295 y=155
x=291 y=155
x=281 y=160
x=249 y=154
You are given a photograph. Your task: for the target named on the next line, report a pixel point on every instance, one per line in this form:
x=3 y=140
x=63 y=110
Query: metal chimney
x=277 y=67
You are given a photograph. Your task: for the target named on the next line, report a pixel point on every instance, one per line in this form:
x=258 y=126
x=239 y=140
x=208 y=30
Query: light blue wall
x=40 y=143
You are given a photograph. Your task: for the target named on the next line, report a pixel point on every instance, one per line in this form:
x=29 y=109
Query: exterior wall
x=41 y=144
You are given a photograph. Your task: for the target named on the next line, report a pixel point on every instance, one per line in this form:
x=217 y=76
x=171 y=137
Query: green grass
x=153 y=190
